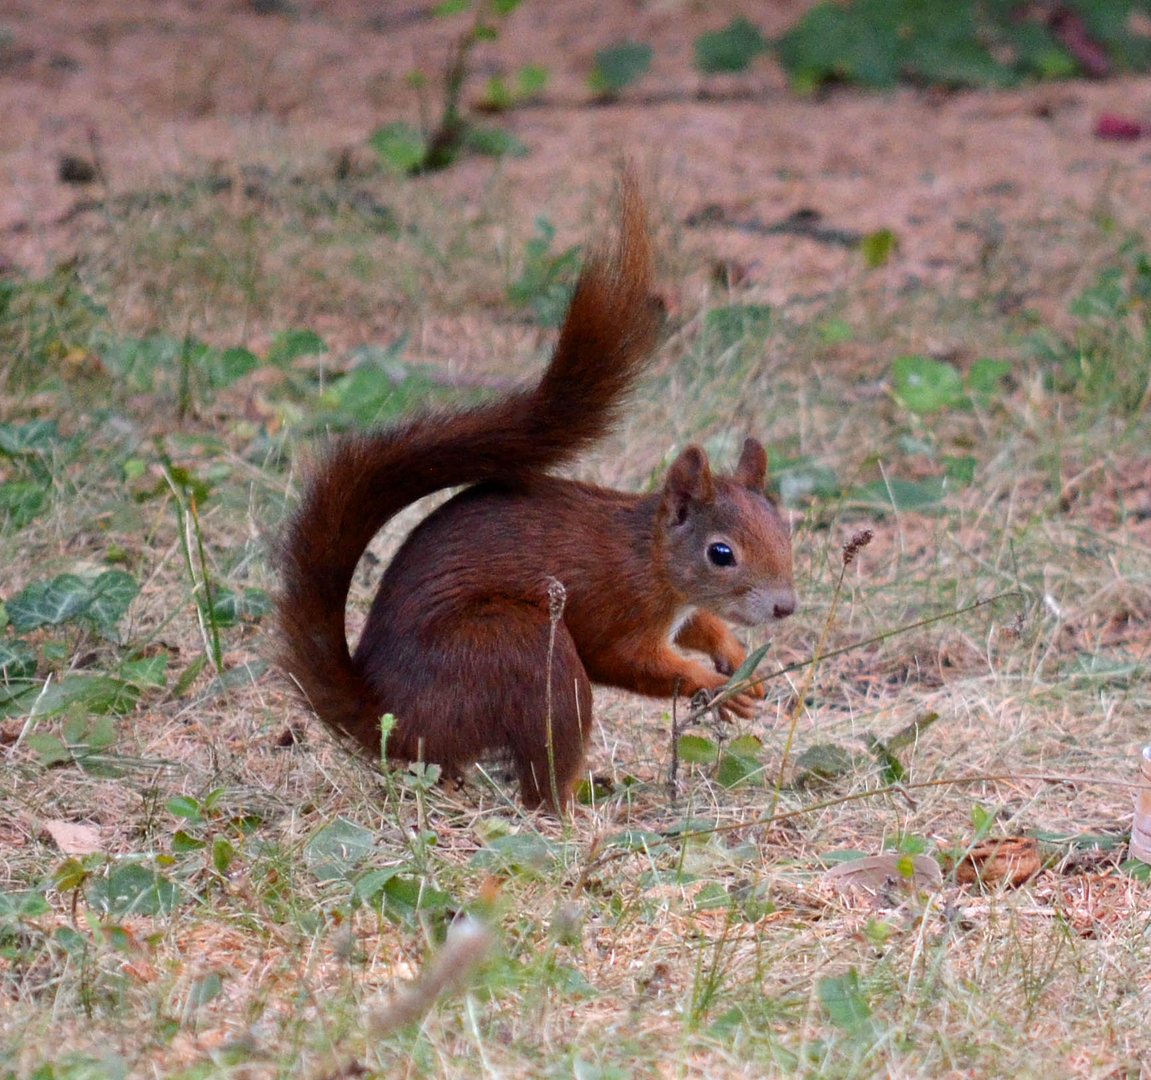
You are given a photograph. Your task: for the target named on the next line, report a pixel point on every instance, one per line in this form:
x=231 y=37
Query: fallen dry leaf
x=73 y=839
x=877 y=874
x=1010 y=860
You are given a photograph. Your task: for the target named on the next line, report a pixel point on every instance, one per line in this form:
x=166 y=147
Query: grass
x=196 y=881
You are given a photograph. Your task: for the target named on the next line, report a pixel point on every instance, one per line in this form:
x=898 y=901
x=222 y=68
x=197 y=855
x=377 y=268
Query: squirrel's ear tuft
x=751 y=472
x=688 y=480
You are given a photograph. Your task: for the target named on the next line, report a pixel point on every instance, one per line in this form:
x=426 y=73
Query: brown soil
x=178 y=87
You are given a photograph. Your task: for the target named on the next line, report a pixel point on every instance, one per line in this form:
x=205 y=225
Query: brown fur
x=459 y=644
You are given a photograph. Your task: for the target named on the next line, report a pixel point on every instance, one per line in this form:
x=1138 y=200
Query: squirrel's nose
x=783 y=608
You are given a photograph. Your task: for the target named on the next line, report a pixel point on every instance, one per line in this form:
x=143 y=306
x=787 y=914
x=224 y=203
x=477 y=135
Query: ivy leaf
x=49 y=603
x=230 y=608
x=17 y=661
x=21 y=501
x=110 y=596
x=97 y=694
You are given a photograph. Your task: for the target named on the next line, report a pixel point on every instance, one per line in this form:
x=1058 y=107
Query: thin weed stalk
x=852 y=548
x=191 y=533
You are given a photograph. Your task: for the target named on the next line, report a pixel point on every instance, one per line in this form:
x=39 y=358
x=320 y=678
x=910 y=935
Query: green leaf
x=497 y=95
x=205 y=990
x=519 y=853
x=138 y=361
x=546 y=280
x=959 y=469
x=821 y=763
x=729 y=50
x=741 y=761
x=842 y=999
x=369 y=885
x=895 y=494
x=189 y=675
x=985 y=378
x=231 y=365
x=878 y=247
x=738 y=323
x=400 y=147
x=638 y=839
x=97 y=694
x=33 y=437
x=26 y=904
x=230 y=607
x=802 y=479
x=48 y=603
x=289 y=345
x=451 y=7
x=983 y=820
x=531 y=79
x=618 y=66
x=21 y=501
x=102 y=601
x=697 y=750
x=493 y=142
x=334 y=851
x=146 y=671
x=183 y=843
x=132 y=889
x=111 y=594
x=750 y=663
x=17 y=662
x=909 y=734
x=891 y=768
x=186 y=807
x=925 y=385
x=406 y=897
x=223 y=854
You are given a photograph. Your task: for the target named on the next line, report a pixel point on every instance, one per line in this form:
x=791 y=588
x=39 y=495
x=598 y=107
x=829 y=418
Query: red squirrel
x=460 y=644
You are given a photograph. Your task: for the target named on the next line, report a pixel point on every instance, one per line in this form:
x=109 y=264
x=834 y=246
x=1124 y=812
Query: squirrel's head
x=724 y=546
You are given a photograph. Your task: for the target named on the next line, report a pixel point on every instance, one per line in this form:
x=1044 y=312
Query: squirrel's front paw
x=742 y=704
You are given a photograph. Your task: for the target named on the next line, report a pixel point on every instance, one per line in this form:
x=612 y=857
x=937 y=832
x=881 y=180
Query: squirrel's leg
x=548 y=713
x=477 y=682
x=707 y=633
x=660 y=671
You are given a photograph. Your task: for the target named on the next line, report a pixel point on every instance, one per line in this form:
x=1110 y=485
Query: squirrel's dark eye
x=720 y=554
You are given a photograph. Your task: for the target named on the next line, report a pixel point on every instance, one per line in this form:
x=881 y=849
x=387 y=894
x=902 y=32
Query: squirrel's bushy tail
x=362 y=481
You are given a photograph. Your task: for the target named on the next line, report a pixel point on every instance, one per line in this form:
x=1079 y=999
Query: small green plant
x=547 y=278
x=405 y=149
x=730 y=50
x=503 y=93
x=879 y=43
x=617 y=67
x=1107 y=359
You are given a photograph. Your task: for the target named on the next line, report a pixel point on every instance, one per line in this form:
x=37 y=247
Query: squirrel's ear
x=751 y=472
x=688 y=480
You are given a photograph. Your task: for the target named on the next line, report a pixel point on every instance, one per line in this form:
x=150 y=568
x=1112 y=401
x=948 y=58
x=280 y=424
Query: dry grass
x=624 y=947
